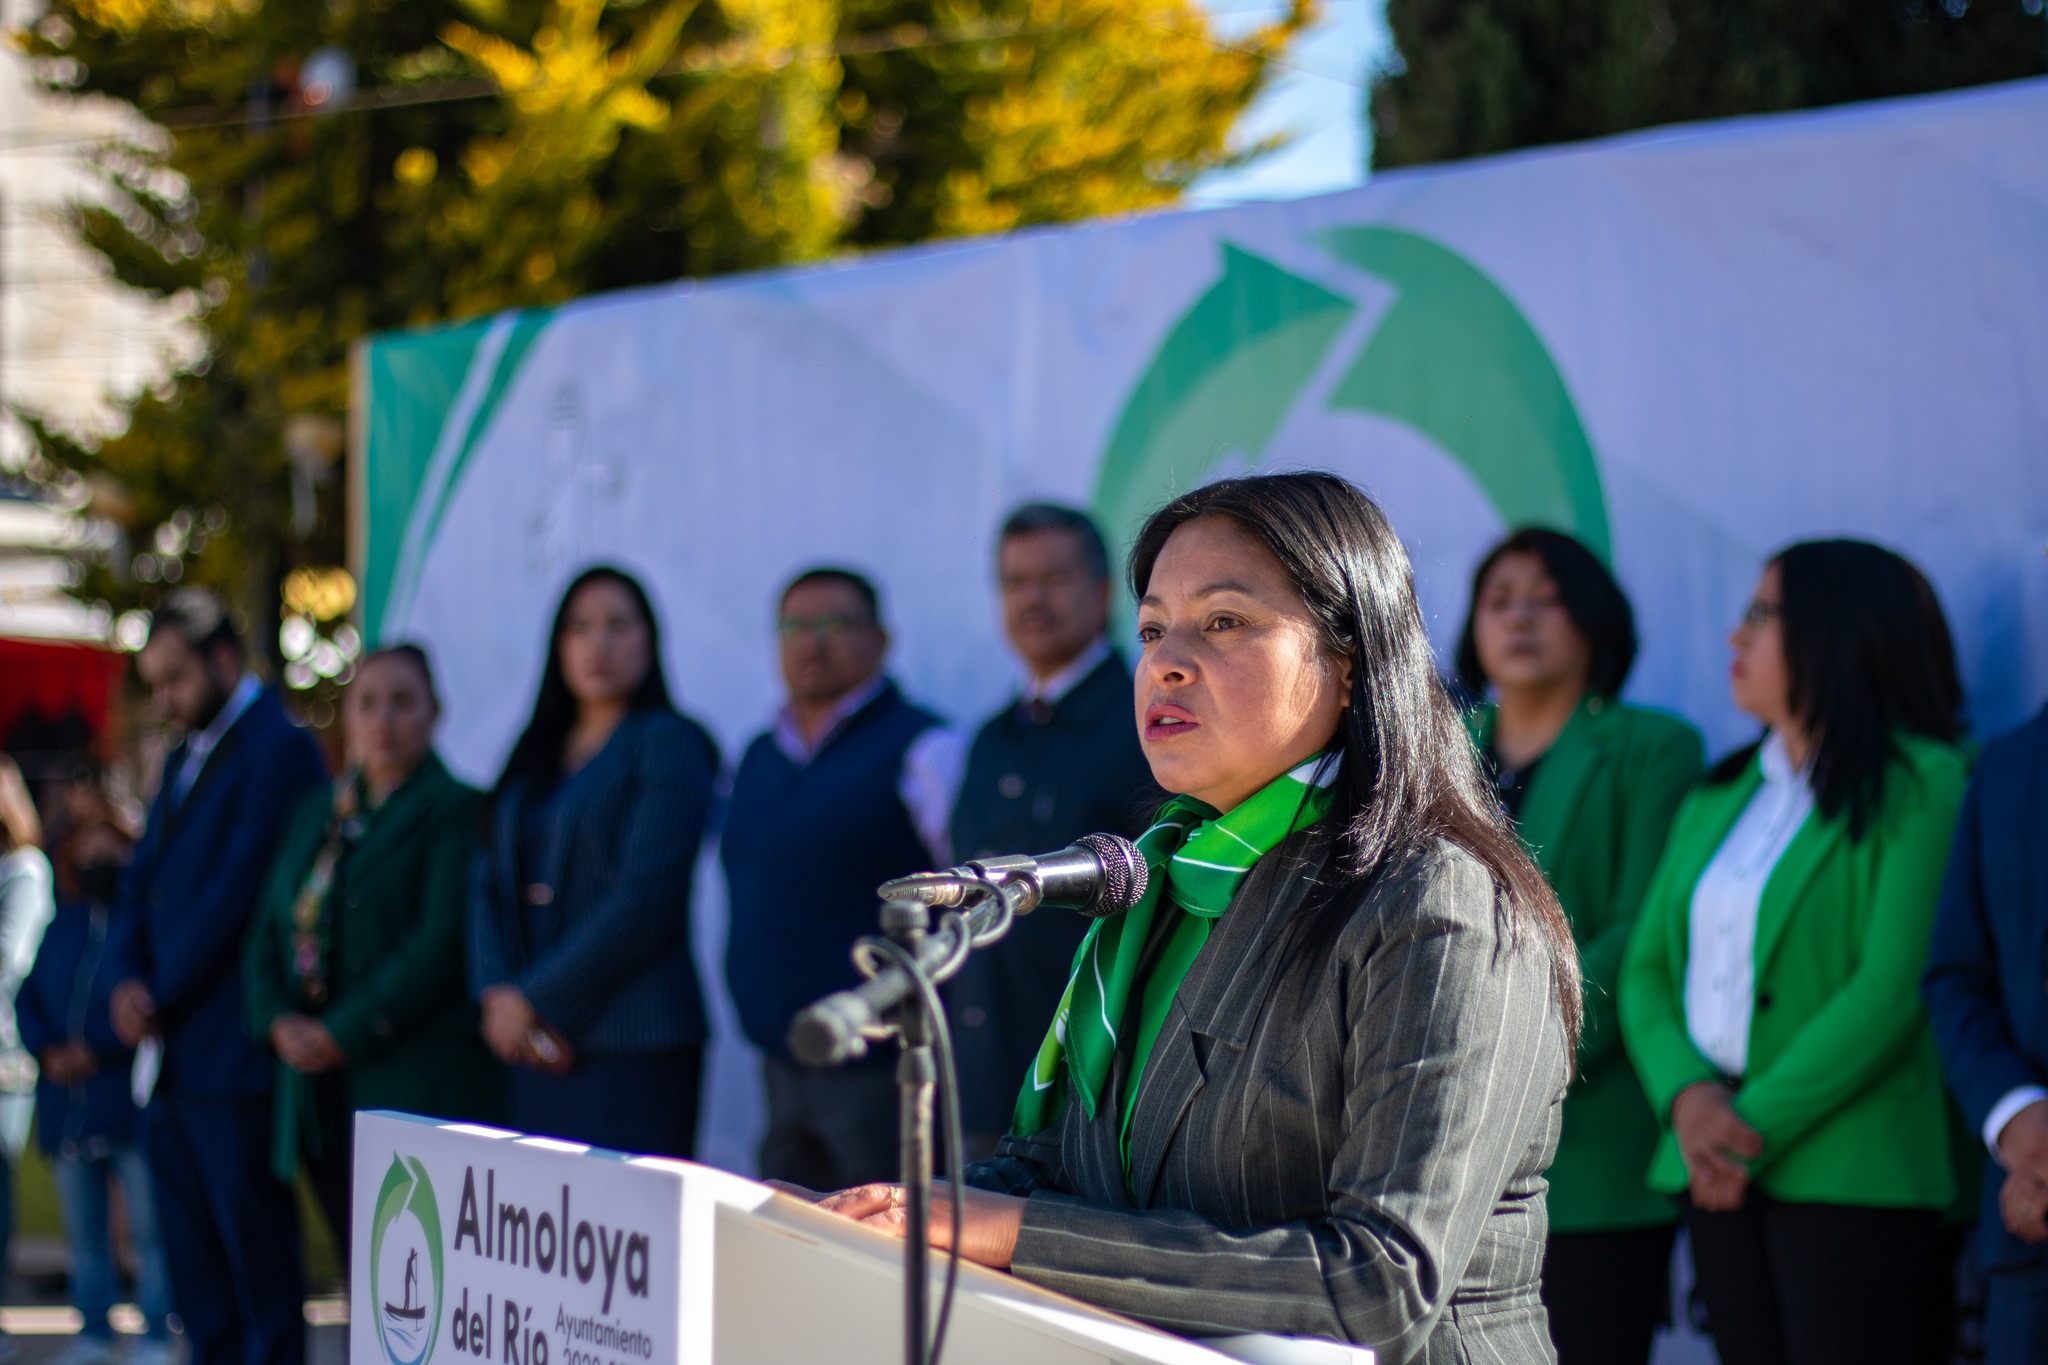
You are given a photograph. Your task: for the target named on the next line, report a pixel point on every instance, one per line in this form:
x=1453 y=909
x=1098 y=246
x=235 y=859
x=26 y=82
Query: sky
x=1317 y=99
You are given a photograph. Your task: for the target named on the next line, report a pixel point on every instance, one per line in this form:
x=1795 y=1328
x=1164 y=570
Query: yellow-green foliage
x=508 y=153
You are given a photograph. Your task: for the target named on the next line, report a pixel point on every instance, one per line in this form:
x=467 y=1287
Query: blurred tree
x=508 y=153
x=1477 y=76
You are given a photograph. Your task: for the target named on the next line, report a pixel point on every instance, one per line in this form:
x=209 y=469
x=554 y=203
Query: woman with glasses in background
x=1770 y=996
x=579 y=930
x=1592 y=785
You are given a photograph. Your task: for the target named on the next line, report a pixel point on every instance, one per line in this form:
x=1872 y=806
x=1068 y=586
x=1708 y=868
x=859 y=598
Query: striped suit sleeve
x=1453 y=1055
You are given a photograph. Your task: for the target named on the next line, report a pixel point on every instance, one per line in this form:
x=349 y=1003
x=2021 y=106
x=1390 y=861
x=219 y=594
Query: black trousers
x=1608 y=1293
x=1814 y=1284
x=330 y=1160
x=829 y=1129
x=230 y=1230
x=639 y=1102
x=2016 y=1316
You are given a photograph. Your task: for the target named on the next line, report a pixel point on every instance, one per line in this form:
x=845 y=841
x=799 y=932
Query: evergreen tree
x=1478 y=76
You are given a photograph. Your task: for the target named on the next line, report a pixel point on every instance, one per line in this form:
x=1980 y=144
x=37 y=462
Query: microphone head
x=1124 y=874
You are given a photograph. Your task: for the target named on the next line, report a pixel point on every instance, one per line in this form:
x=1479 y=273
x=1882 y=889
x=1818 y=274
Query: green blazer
x=398 y=1003
x=1595 y=817
x=1842 y=1082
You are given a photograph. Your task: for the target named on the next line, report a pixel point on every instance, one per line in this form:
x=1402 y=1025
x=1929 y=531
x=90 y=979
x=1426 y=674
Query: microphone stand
x=900 y=1000
x=838 y=1027
x=905 y=923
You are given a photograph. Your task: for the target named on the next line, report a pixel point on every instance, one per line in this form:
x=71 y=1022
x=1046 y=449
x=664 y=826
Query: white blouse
x=1720 y=967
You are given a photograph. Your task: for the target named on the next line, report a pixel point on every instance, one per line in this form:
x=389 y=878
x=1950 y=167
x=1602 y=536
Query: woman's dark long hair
x=536 y=759
x=1597 y=606
x=1868 y=655
x=1410 y=776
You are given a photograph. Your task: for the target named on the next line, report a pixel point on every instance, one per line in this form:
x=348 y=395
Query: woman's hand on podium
x=989 y=1222
x=796 y=1191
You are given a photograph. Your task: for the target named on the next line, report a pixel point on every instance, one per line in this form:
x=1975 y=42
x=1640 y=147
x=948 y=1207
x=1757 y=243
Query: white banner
x=1691 y=347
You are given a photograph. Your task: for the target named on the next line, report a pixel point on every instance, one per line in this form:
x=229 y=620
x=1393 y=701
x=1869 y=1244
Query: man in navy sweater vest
x=1059 y=761
x=850 y=787
x=229 y=1227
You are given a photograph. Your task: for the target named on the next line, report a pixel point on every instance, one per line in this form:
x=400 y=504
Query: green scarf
x=1203 y=857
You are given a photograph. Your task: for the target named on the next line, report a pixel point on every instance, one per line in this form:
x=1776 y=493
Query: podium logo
x=405 y=1263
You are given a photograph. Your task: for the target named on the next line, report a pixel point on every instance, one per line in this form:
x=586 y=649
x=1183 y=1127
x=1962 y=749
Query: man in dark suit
x=230 y=1228
x=1987 y=995
x=1060 y=760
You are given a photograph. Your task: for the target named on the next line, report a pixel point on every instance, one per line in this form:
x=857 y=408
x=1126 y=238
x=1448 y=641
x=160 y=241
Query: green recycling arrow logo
x=404 y=1223
x=1453 y=358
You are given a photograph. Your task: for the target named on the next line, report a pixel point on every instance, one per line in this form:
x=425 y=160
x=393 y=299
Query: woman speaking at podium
x=1309 y=1084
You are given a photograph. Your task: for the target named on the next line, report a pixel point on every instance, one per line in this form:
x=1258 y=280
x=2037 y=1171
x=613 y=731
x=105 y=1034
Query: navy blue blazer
x=188 y=896
x=1987 y=975
x=608 y=963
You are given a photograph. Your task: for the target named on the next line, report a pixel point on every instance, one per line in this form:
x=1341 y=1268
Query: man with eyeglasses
x=849 y=787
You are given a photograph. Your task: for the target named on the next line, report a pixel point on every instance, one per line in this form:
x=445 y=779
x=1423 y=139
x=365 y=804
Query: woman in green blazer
x=1770 y=994
x=353 y=968
x=1592 y=785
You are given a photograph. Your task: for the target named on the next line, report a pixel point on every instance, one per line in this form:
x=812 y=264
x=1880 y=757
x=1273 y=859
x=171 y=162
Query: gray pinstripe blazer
x=1353 y=1148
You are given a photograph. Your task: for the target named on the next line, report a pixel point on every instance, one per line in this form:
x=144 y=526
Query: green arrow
x=1219 y=384
x=1455 y=359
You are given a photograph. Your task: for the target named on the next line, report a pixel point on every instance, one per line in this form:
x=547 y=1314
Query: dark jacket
x=1987 y=971
x=192 y=889
x=1349 y=1144
x=64 y=997
x=396 y=1002
x=1037 y=779
x=804 y=848
x=606 y=959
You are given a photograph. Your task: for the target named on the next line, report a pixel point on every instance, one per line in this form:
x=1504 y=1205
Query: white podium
x=476 y=1245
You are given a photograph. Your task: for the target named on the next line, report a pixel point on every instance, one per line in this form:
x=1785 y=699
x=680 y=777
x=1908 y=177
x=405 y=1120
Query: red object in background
x=53 y=679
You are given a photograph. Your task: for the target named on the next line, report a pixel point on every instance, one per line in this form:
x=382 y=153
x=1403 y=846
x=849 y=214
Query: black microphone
x=1099 y=875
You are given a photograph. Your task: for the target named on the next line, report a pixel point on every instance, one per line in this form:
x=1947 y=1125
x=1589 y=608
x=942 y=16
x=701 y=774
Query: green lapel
x=1719 y=808
x=1695 y=842
x=1552 y=802
x=393 y=817
x=1809 y=848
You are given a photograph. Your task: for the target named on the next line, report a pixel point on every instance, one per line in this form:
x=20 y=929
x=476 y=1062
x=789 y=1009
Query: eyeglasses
x=820 y=627
x=1759 y=614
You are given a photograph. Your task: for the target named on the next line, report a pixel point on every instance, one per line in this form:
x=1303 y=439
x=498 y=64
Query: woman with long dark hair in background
x=1592 y=785
x=579 y=945
x=1770 y=996
x=1310 y=1083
